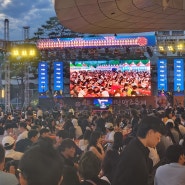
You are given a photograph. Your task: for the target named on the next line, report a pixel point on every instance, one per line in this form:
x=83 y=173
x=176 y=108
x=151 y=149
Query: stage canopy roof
x=121 y=16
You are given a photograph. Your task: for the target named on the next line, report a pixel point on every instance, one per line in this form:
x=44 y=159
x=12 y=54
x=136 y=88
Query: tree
x=53 y=29
x=19 y=63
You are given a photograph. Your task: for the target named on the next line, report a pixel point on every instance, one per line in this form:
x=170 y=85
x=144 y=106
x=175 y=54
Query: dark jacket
x=94 y=181
x=134 y=165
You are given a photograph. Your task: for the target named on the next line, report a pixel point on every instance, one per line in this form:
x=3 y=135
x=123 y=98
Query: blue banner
x=43 y=77
x=162 y=75
x=58 y=77
x=178 y=75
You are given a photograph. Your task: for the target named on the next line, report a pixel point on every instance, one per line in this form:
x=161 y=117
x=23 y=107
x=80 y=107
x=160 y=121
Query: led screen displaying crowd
x=110 y=78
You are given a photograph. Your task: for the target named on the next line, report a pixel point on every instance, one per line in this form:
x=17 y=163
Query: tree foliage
x=53 y=29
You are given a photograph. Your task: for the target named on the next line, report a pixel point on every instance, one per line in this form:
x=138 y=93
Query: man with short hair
x=24 y=144
x=134 y=165
x=67 y=150
x=60 y=136
x=41 y=165
x=6 y=178
x=44 y=132
x=172 y=173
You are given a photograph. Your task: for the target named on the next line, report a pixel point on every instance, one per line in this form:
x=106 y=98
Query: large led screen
x=58 y=79
x=162 y=75
x=102 y=103
x=43 y=77
x=178 y=76
x=110 y=78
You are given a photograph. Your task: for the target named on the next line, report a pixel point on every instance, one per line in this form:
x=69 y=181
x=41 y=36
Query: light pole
x=24 y=55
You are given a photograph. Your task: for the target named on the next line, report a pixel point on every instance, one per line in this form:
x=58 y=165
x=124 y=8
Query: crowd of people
x=73 y=147
x=98 y=83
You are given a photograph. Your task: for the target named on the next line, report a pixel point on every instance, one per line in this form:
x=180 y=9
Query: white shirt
x=13 y=154
x=23 y=135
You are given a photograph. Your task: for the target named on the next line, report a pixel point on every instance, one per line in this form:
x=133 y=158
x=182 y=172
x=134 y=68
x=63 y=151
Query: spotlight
x=171 y=49
x=180 y=47
x=161 y=48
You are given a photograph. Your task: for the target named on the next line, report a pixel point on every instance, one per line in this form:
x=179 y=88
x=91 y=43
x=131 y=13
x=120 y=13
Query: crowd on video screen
x=109 y=83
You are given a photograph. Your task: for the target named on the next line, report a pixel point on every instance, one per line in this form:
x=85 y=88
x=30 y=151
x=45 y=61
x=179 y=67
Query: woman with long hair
x=95 y=145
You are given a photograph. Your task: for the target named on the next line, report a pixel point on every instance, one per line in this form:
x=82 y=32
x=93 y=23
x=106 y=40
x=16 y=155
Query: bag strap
x=93 y=183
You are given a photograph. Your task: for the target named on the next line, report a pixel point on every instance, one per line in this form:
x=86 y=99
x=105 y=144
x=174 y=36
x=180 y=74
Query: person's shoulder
x=8 y=178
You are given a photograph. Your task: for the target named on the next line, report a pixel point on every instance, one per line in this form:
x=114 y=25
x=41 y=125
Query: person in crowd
x=172 y=133
x=182 y=117
x=89 y=168
x=39 y=112
x=60 y=136
x=95 y=145
x=6 y=178
x=179 y=127
x=172 y=173
x=8 y=129
x=134 y=121
x=44 y=132
x=1 y=113
x=77 y=129
x=67 y=150
x=41 y=165
x=118 y=143
x=8 y=143
x=109 y=164
x=109 y=137
x=23 y=144
x=168 y=116
x=100 y=122
x=180 y=108
x=1 y=131
x=164 y=143
x=70 y=176
x=29 y=112
x=23 y=131
x=144 y=112
x=67 y=122
x=84 y=142
x=148 y=135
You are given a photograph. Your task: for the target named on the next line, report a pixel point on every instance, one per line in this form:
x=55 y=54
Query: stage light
x=179 y=47
x=170 y=48
x=15 y=52
x=161 y=48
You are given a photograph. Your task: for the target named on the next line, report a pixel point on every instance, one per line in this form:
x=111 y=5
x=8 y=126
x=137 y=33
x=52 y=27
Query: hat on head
x=8 y=141
x=109 y=125
x=171 y=121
